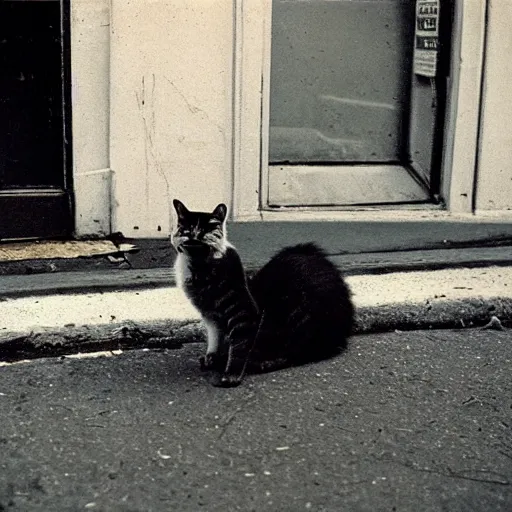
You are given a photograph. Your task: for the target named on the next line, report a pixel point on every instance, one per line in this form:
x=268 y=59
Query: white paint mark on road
x=163 y=455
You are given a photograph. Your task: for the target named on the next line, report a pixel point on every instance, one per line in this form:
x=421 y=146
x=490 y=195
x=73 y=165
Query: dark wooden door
x=35 y=189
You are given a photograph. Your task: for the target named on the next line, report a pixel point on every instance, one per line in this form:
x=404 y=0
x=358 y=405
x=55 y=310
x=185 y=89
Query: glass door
x=348 y=117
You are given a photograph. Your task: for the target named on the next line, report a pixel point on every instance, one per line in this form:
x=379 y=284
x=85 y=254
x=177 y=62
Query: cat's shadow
x=253 y=368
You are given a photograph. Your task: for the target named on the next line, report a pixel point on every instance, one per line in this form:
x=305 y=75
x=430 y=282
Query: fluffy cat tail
x=307 y=303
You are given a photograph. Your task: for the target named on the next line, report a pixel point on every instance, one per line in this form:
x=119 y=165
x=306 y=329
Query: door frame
x=251 y=95
x=67 y=118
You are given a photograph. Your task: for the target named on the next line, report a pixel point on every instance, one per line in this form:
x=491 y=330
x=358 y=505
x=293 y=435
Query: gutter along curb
x=162 y=318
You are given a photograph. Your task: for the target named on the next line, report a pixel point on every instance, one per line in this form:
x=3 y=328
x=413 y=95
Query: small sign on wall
x=426 y=38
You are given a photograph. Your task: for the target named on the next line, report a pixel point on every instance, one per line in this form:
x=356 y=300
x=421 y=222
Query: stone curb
x=172 y=334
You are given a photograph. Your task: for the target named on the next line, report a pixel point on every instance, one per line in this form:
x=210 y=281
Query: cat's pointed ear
x=220 y=212
x=180 y=208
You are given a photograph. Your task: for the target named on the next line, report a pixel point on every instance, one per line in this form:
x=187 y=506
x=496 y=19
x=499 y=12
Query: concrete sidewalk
x=131 y=318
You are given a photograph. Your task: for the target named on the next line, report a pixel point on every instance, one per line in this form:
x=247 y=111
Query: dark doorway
x=35 y=193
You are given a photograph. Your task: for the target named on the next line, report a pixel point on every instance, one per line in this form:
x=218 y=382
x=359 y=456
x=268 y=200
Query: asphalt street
x=406 y=421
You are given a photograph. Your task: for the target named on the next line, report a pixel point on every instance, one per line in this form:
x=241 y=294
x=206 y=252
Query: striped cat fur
x=296 y=309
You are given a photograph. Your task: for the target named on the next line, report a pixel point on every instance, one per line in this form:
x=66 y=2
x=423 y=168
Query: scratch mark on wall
x=194 y=109
x=141 y=102
x=191 y=107
x=146 y=103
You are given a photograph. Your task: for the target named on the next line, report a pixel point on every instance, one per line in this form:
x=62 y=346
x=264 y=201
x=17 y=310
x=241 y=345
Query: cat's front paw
x=227 y=381
x=208 y=362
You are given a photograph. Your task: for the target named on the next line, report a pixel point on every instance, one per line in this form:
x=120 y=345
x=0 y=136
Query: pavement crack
x=464 y=474
x=63 y=407
x=223 y=427
x=495 y=478
x=505 y=454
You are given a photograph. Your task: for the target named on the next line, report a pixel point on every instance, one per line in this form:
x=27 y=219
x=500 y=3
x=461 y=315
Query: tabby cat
x=296 y=309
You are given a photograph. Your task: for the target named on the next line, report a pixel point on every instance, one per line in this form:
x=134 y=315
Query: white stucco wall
x=494 y=175
x=153 y=90
x=171 y=102
x=90 y=76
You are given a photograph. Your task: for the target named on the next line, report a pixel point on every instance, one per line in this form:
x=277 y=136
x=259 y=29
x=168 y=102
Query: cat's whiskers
x=217 y=240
